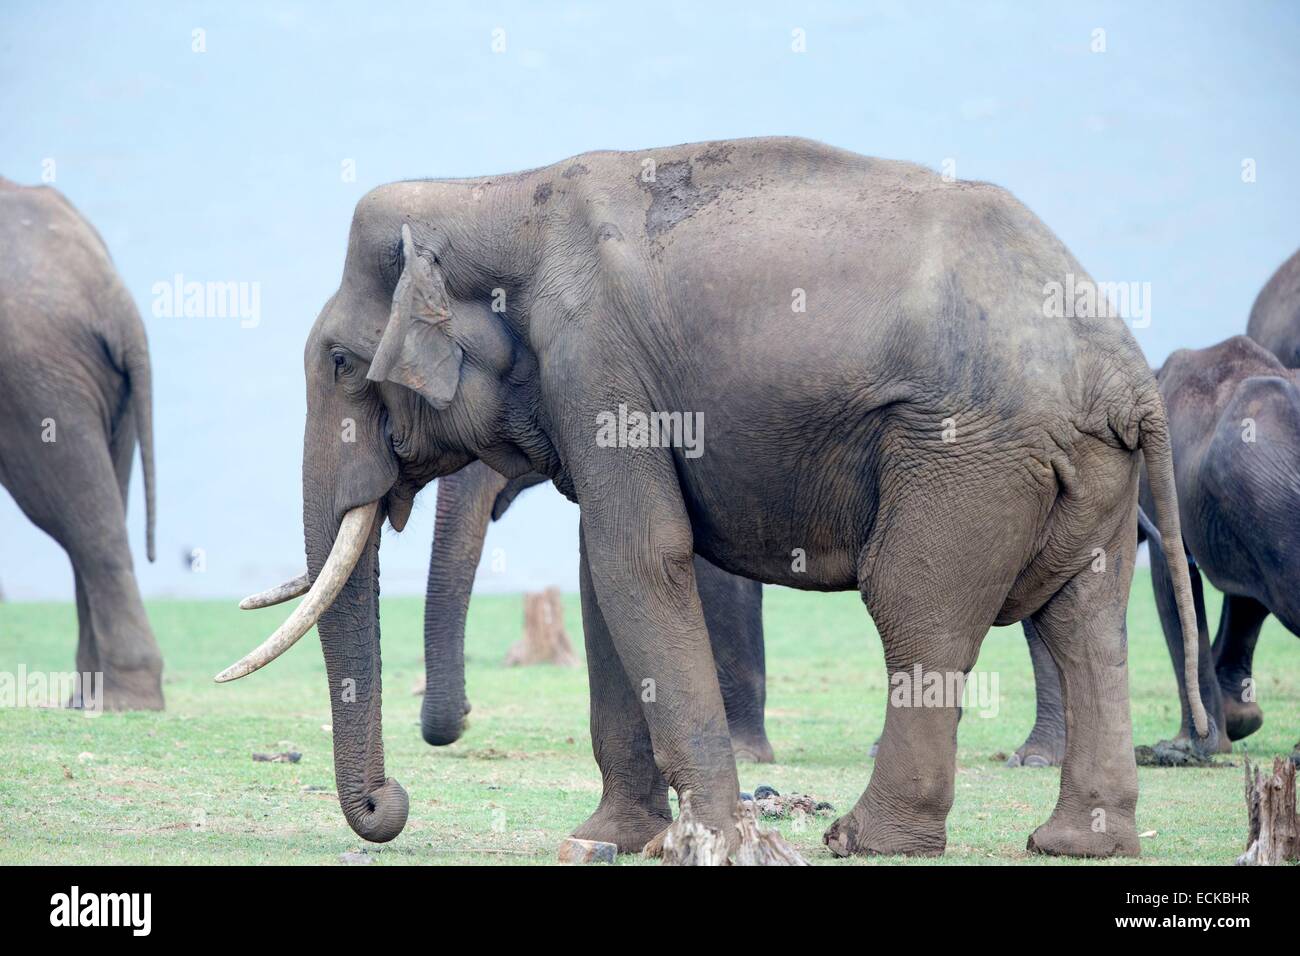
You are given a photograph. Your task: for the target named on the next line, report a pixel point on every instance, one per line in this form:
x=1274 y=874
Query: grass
x=180 y=787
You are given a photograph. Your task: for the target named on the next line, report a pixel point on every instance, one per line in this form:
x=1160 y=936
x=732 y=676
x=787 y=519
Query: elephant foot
x=856 y=833
x=1240 y=719
x=1101 y=834
x=627 y=824
x=754 y=749
x=1039 y=750
x=121 y=690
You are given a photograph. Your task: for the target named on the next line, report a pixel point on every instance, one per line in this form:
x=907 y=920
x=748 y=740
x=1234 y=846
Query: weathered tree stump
x=1273 y=837
x=544 y=640
x=688 y=842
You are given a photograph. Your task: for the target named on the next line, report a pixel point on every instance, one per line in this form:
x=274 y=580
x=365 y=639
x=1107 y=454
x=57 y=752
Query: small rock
x=574 y=850
x=353 y=858
x=746 y=797
x=763 y=790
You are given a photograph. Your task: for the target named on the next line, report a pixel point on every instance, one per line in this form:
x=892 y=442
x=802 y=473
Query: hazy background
x=227 y=165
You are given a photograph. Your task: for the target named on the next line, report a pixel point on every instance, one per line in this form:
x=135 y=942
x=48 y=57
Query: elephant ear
x=417 y=351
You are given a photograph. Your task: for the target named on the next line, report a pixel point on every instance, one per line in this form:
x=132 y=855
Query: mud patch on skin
x=542 y=194
x=608 y=230
x=577 y=169
x=716 y=156
x=674 y=197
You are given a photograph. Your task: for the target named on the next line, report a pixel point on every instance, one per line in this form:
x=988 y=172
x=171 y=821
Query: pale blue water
x=226 y=166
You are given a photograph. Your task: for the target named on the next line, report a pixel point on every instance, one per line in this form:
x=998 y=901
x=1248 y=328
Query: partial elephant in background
x=75 y=396
x=1275 y=316
x=1234 y=422
x=733 y=613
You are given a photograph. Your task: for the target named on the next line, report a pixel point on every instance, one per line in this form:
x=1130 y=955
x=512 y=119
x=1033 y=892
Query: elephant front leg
x=1046 y=744
x=641 y=562
x=634 y=799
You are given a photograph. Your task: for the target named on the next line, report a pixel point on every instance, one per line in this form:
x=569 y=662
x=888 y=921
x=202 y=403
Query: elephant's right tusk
x=351 y=540
x=278 y=594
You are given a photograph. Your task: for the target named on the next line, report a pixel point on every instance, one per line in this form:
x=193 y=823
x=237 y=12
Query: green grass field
x=181 y=787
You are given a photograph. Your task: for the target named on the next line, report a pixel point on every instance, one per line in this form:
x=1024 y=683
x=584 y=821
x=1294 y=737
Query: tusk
x=277 y=595
x=351 y=540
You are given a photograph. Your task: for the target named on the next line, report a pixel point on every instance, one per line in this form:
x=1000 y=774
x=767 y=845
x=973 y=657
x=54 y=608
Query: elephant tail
x=1154 y=442
x=140 y=381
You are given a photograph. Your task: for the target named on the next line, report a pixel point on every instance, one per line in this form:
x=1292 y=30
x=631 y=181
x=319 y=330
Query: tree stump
x=688 y=842
x=544 y=640
x=1273 y=836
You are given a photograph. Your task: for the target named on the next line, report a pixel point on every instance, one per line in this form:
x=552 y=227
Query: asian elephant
x=813 y=368
x=733 y=613
x=75 y=396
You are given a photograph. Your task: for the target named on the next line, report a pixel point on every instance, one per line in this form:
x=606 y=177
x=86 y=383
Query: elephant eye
x=339 y=360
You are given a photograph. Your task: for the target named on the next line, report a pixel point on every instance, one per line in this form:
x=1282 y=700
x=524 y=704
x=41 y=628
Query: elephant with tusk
x=881 y=399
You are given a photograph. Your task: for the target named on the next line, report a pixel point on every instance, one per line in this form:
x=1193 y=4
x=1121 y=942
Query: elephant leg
x=640 y=554
x=460 y=524
x=932 y=616
x=82 y=510
x=87 y=651
x=1046 y=744
x=1167 y=608
x=634 y=801
x=1083 y=627
x=1234 y=652
x=733 y=613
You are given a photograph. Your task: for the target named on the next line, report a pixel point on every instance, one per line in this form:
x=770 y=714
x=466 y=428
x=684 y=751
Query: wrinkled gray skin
x=1275 y=317
x=669 y=280
x=733 y=613
x=1275 y=325
x=73 y=353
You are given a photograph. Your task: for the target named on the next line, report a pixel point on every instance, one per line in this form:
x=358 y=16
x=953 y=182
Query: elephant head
x=406 y=381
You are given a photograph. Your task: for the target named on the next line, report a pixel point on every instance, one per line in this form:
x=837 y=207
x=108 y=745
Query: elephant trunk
x=375 y=805
x=464 y=506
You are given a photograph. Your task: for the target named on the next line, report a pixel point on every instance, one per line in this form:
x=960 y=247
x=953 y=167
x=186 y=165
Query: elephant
x=733 y=613
x=1275 y=316
x=894 y=404
x=75 y=397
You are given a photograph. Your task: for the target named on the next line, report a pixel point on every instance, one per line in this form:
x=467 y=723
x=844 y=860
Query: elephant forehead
x=356 y=325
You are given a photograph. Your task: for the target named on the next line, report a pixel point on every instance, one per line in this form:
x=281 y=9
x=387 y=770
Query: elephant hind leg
x=75 y=496
x=1240 y=622
x=933 y=590
x=1083 y=627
